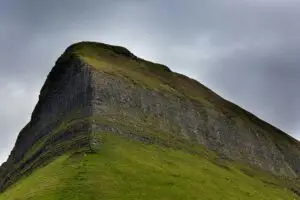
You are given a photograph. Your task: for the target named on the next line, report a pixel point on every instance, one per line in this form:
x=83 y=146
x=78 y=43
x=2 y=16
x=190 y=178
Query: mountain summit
x=110 y=125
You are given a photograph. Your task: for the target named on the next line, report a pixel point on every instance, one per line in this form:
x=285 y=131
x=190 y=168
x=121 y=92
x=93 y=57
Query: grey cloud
x=245 y=50
x=270 y=88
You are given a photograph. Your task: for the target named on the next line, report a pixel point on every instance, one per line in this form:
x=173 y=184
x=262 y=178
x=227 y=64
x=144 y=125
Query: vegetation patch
x=126 y=169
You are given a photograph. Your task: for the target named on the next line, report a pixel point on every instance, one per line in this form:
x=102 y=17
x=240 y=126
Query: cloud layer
x=247 y=51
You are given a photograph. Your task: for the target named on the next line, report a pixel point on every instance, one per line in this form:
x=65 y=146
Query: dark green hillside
x=125 y=169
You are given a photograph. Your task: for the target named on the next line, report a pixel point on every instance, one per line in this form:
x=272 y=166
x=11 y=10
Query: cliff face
x=66 y=92
x=184 y=119
x=96 y=88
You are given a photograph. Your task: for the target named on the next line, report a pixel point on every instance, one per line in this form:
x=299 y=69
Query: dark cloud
x=264 y=82
x=246 y=50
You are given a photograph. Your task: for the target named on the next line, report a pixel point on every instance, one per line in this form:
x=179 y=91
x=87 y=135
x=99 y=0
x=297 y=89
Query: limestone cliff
x=95 y=88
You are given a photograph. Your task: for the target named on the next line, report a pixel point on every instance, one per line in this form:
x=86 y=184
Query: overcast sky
x=248 y=51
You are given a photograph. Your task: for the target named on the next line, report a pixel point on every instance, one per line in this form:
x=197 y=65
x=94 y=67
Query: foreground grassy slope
x=127 y=169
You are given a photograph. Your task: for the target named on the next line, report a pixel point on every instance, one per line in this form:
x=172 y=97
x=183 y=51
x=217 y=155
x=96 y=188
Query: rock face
x=96 y=88
x=67 y=88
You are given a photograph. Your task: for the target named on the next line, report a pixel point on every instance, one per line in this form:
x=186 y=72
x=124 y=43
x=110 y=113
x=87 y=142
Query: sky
x=248 y=51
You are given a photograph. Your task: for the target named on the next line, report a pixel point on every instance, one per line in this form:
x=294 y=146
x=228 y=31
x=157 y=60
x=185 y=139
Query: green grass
x=127 y=169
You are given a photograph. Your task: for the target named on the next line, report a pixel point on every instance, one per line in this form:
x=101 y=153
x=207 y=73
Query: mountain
x=110 y=125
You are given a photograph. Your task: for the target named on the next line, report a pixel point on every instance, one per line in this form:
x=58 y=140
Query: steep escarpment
x=132 y=96
x=96 y=89
x=136 y=109
x=56 y=124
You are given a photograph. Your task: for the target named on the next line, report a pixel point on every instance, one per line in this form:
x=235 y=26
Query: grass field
x=127 y=169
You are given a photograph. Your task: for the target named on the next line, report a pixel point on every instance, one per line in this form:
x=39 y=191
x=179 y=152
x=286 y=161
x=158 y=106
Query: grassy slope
x=126 y=169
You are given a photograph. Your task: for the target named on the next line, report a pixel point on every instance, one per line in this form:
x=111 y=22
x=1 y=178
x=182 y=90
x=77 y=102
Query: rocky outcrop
x=234 y=138
x=65 y=95
x=84 y=96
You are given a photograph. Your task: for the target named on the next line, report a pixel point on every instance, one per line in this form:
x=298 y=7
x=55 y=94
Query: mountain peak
x=96 y=89
x=102 y=51
x=90 y=47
